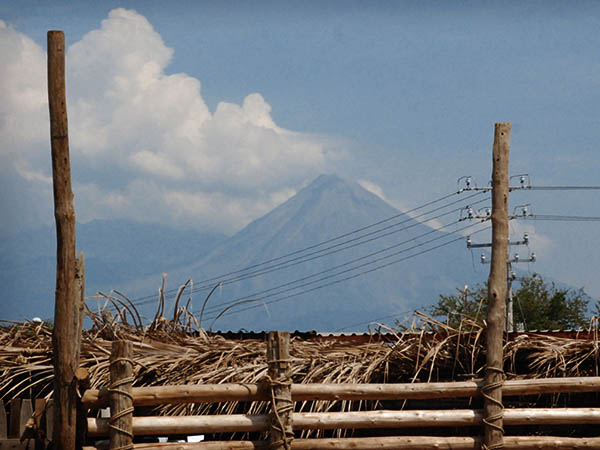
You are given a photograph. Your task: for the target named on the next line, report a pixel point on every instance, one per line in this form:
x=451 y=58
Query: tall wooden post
x=278 y=359
x=120 y=396
x=492 y=389
x=66 y=335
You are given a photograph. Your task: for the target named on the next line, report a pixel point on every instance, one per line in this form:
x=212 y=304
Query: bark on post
x=492 y=389
x=66 y=335
x=121 y=400
x=278 y=359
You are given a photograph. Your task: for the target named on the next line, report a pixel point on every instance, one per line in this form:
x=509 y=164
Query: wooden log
x=282 y=406
x=148 y=426
x=494 y=373
x=66 y=335
x=389 y=443
x=121 y=401
x=163 y=425
x=159 y=395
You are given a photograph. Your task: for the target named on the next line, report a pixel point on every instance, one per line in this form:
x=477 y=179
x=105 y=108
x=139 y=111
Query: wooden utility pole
x=278 y=359
x=494 y=374
x=66 y=335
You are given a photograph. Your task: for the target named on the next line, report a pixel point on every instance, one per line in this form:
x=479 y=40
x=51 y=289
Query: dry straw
x=176 y=351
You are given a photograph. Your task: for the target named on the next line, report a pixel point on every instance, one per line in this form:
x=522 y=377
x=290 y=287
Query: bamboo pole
x=149 y=426
x=389 y=443
x=121 y=401
x=177 y=394
x=66 y=335
x=492 y=390
x=282 y=406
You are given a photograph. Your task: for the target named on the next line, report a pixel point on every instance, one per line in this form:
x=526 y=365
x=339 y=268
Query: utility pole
x=494 y=373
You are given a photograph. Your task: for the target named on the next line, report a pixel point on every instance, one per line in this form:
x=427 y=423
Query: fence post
x=494 y=373
x=120 y=397
x=282 y=407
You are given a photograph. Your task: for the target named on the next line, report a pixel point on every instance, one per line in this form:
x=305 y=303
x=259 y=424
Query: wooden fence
x=282 y=422
x=27 y=423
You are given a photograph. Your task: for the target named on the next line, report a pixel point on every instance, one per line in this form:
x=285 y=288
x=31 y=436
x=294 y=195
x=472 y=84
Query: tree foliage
x=537 y=305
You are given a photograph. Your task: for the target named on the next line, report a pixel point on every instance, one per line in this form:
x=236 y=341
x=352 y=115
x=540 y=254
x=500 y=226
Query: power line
x=311 y=256
x=214 y=307
x=382 y=266
x=557 y=218
x=335 y=282
x=563 y=188
x=308 y=257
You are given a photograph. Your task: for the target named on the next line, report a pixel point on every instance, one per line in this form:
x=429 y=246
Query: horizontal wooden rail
x=389 y=443
x=158 y=395
x=147 y=426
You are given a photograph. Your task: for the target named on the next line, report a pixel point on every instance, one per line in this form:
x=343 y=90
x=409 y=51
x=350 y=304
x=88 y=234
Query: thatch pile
x=171 y=352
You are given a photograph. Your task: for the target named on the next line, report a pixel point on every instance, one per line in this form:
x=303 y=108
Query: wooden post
x=66 y=335
x=278 y=359
x=492 y=389
x=15 y=418
x=3 y=424
x=121 y=400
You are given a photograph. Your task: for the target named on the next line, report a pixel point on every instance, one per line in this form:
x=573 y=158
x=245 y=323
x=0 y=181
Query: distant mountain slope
x=326 y=208
x=115 y=251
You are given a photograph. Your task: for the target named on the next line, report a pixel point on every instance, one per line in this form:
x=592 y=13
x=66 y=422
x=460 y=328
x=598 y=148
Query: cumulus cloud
x=143 y=142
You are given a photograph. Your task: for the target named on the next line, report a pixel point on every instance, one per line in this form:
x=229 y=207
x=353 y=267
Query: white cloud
x=143 y=142
x=23 y=94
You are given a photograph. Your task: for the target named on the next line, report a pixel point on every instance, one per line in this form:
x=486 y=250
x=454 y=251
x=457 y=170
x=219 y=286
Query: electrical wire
x=561 y=188
x=558 y=218
x=312 y=257
x=309 y=256
x=216 y=306
x=347 y=278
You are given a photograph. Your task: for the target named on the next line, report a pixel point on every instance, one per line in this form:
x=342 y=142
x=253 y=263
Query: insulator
x=516 y=257
x=532 y=257
x=468 y=241
x=483 y=258
x=526 y=239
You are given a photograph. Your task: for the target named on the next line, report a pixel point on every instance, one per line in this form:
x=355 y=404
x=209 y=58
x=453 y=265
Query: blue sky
x=208 y=114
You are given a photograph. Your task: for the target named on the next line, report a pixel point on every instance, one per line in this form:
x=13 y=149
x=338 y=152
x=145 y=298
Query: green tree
x=466 y=303
x=537 y=305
